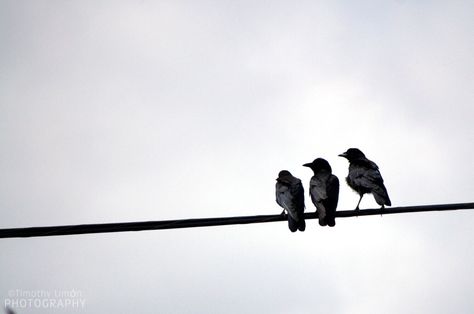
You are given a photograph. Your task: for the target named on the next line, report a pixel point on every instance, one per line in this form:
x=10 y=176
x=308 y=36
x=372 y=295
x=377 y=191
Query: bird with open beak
x=290 y=196
x=324 y=191
x=364 y=177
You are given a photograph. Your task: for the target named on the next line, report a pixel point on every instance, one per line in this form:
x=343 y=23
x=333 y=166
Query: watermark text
x=45 y=299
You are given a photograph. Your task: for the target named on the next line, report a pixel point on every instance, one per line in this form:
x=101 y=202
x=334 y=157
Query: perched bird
x=290 y=196
x=364 y=177
x=324 y=191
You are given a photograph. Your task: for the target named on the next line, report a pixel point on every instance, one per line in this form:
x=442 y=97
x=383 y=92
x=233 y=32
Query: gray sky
x=116 y=111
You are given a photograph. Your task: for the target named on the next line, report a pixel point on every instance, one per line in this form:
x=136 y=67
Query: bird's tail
x=331 y=220
x=322 y=215
x=381 y=196
x=292 y=224
x=322 y=221
x=301 y=224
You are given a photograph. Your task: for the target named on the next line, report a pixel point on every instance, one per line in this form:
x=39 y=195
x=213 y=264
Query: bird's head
x=352 y=154
x=319 y=164
x=284 y=174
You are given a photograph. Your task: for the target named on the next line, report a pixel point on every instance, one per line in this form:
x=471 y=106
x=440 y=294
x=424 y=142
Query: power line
x=207 y=222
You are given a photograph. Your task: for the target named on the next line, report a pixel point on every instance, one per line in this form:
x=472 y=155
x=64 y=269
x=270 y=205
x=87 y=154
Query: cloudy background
x=115 y=111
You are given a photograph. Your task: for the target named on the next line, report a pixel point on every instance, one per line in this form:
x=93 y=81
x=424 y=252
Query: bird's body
x=290 y=196
x=364 y=177
x=324 y=191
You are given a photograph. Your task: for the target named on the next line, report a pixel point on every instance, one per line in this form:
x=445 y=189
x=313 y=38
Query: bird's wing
x=366 y=176
x=333 y=193
x=281 y=192
x=317 y=189
x=373 y=172
x=285 y=198
x=297 y=192
x=318 y=192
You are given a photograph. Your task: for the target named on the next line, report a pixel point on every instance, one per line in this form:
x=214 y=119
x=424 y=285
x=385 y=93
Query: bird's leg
x=283 y=213
x=360 y=199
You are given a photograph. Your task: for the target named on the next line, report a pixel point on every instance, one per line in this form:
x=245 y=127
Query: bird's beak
x=343 y=155
x=307 y=165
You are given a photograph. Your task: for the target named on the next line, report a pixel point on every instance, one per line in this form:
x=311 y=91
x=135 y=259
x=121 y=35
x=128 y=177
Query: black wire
x=207 y=222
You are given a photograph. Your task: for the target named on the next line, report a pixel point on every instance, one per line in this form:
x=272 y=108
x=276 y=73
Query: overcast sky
x=114 y=111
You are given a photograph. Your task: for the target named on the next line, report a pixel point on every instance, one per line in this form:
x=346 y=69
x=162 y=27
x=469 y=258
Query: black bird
x=364 y=177
x=290 y=195
x=324 y=191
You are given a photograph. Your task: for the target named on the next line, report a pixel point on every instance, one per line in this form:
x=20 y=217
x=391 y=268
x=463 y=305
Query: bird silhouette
x=324 y=191
x=290 y=196
x=364 y=177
